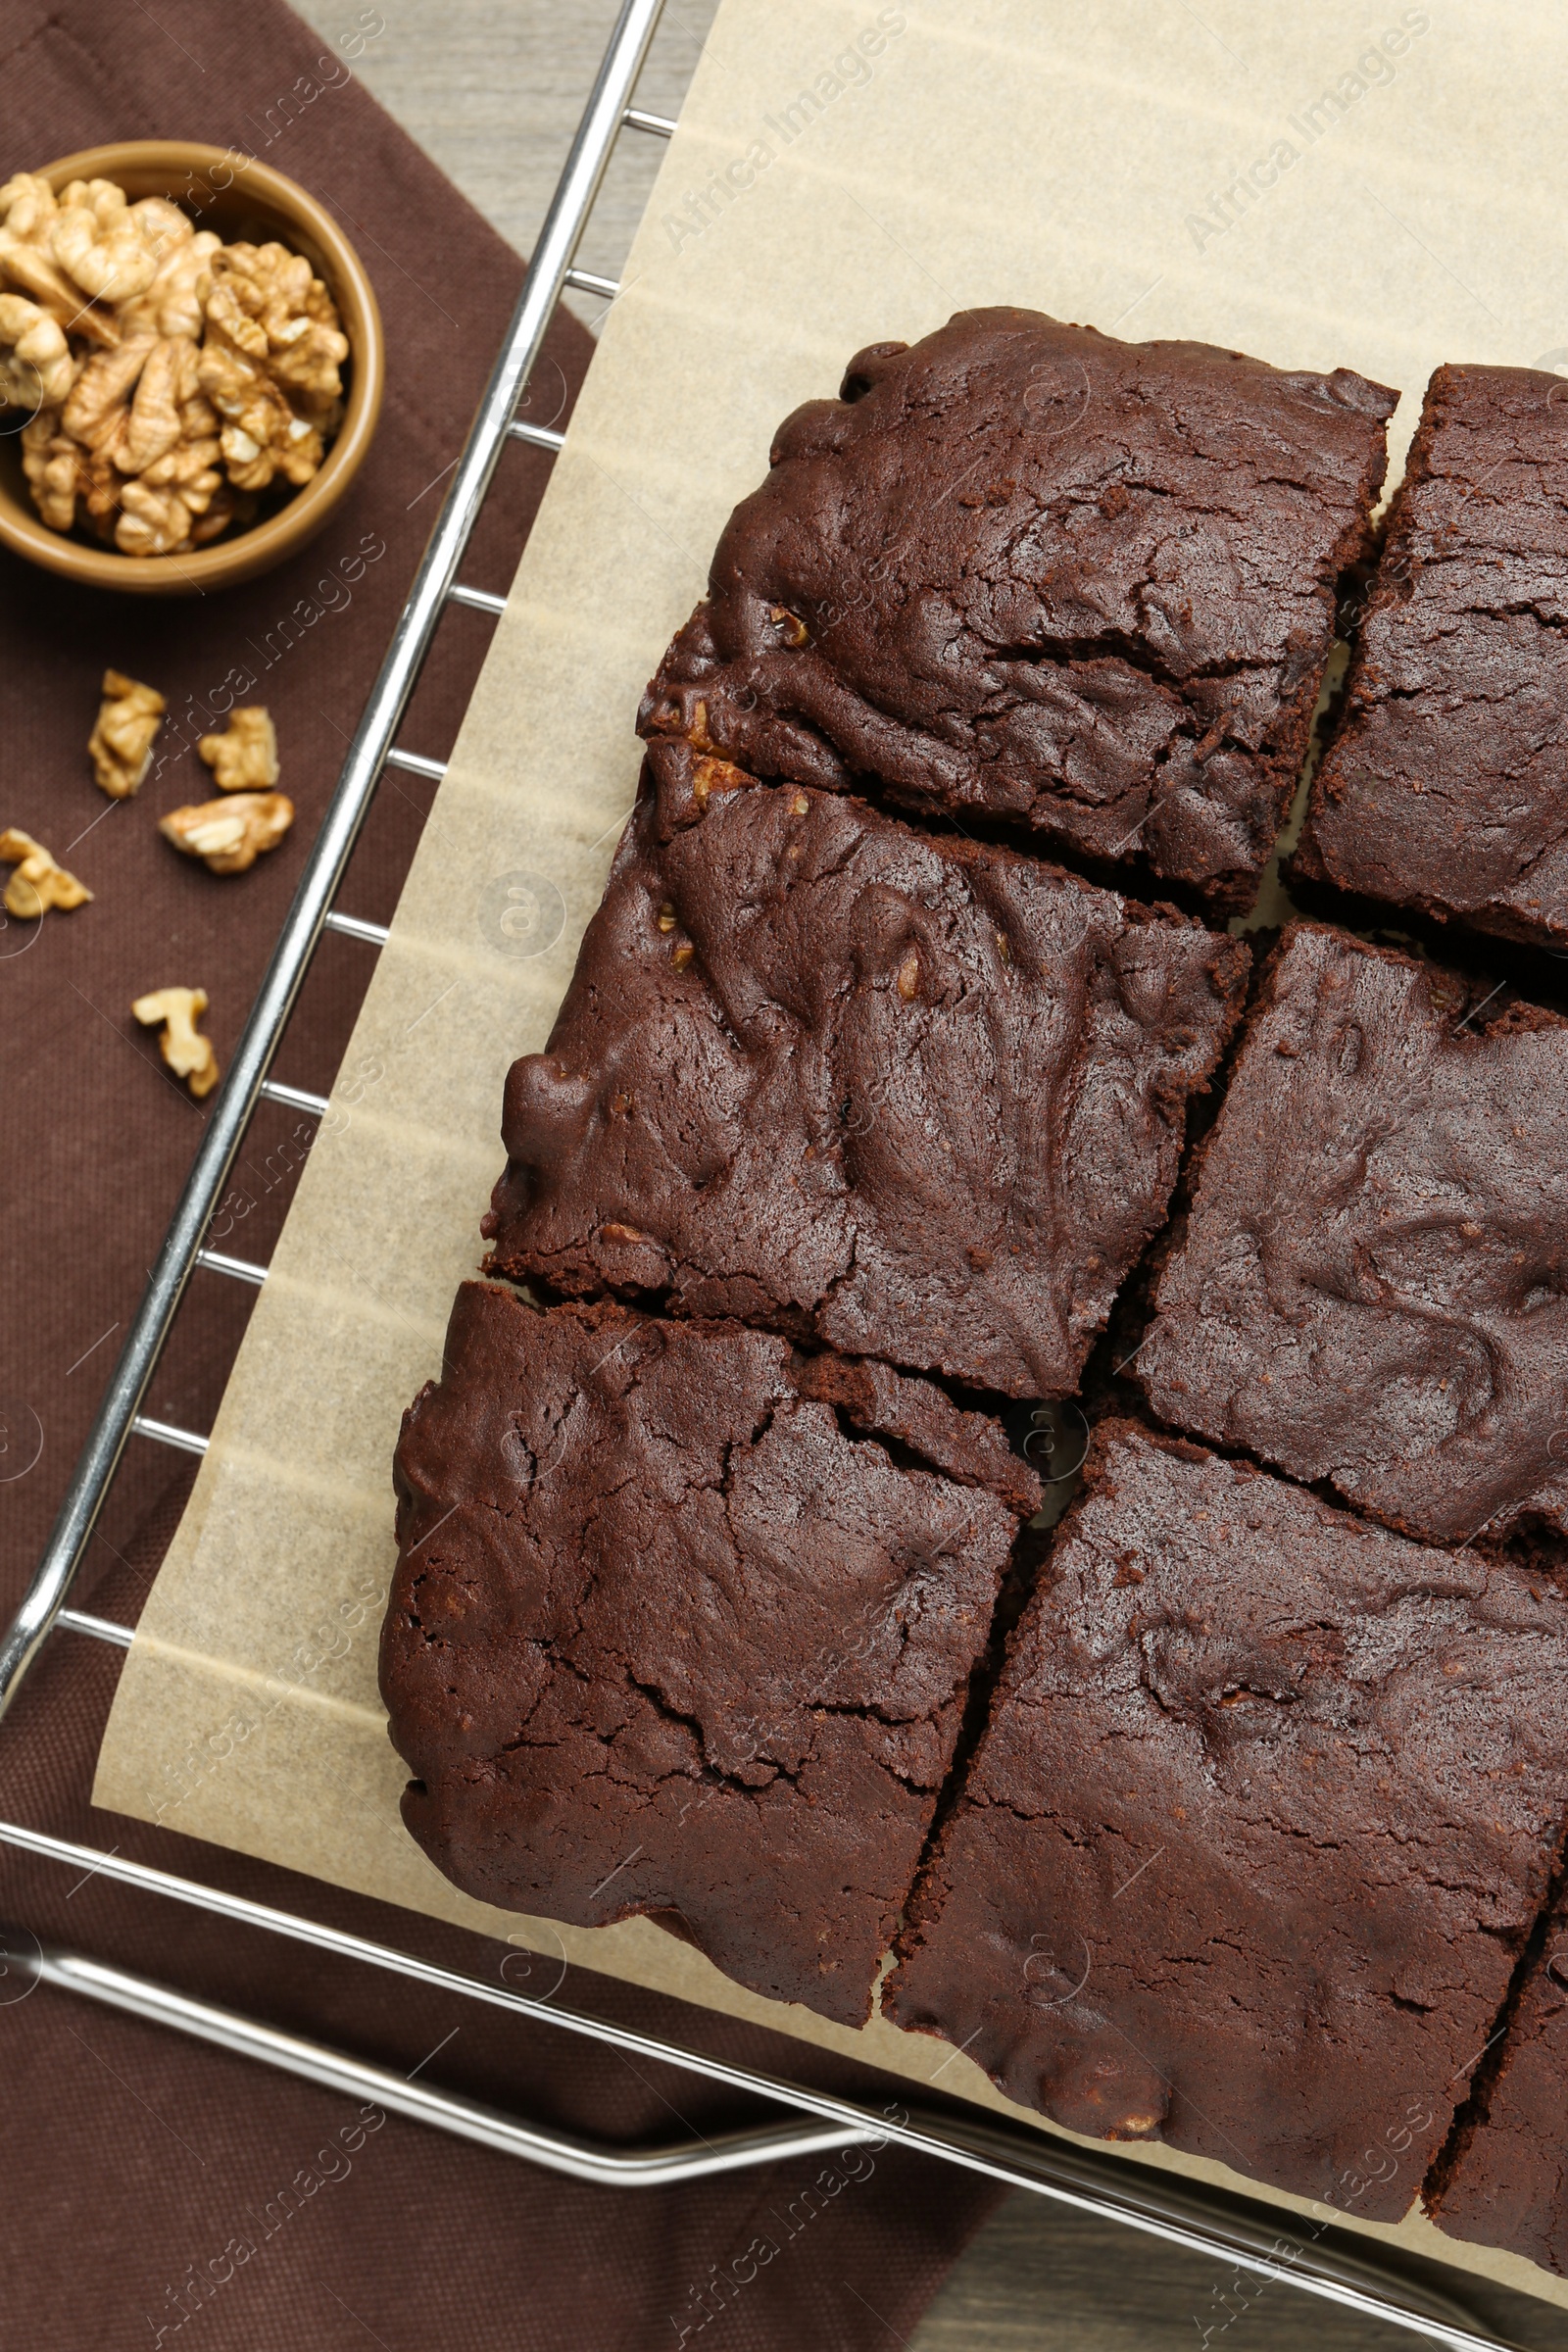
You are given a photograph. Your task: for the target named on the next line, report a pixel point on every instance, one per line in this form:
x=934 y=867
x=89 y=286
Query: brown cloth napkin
x=142 y=2177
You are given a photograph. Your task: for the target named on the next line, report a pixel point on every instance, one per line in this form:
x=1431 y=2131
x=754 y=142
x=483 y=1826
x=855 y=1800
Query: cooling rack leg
x=424 y=2103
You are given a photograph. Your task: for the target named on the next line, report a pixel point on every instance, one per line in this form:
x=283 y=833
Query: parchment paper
x=1350 y=184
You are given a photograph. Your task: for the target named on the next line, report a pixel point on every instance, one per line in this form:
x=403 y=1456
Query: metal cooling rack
x=1232 y=2230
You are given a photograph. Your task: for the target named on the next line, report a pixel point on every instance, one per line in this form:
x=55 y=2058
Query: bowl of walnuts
x=191 y=366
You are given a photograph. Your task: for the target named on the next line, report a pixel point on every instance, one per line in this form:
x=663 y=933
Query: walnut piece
x=262 y=437
x=152 y=523
x=228 y=506
x=122 y=743
x=28 y=206
x=37 y=883
x=265 y=302
x=153 y=427
x=173 y=303
x=187 y=1053
x=245 y=759
x=98 y=412
x=36 y=368
x=49 y=460
x=97 y=238
x=229 y=835
x=27 y=216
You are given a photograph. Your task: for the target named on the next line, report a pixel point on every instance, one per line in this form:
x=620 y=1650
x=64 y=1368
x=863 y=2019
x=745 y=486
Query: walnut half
x=122 y=743
x=187 y=1053
x=37 y=883
x=245 y=757
x=36 y=368
x=229 y=835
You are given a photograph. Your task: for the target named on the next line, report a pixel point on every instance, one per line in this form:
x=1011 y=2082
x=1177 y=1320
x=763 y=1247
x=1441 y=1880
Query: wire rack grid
x=1243 y=2235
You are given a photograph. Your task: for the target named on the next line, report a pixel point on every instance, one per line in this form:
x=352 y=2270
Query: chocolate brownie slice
x=1503 y=2178
x=1373 y=1286
x=667 y=1636
x=1266 y=1805
x=921 y=1099
x=1446 y=785
x=1026 y=573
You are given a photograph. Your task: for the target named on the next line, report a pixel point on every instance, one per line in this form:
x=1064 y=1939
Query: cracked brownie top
x=1266 y=1803
x=1446 y=785
x=920 y=1098
x=669 y=1635
x=1026 y=573
x=1372 y=1283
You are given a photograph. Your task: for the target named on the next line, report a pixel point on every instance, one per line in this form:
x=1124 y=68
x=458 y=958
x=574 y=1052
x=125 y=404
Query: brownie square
x=1266 y=1804
x=1024 y=572
x=1371 y=1287
x=1503 y=2178
x=920 y=1099
x=666 y=1636
x=1446 y=787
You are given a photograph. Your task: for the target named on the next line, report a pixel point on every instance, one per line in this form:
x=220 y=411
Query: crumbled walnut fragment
x=187 y=1053
x=122 y=743
x=245 y=759
x=229 y=835
x=37 y=883
x=717 y=776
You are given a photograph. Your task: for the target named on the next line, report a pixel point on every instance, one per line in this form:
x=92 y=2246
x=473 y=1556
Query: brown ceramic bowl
x=241 y=200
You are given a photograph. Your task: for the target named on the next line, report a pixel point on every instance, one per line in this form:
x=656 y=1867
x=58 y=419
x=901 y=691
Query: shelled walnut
x=26 y=260
x=49 y=460
x=244 y=758
x=122 y=743
x=36 y=362
x=270 y=364
x=169 y=378
x=229 y=835
x=188 y=1054
x=37 y=883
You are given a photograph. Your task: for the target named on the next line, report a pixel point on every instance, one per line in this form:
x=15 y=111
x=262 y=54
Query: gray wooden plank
x=492 y=90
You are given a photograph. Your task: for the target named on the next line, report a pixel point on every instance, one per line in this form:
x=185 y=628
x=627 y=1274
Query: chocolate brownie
x=1026 y=573
x=1446 y=787
x=665 y=1636
x=1503 y=2178
x=1266 y=1805
x=921 y=1099
x=1372 y=1283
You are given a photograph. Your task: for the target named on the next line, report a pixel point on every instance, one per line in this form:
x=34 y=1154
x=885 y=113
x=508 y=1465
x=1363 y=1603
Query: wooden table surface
x=492 y=90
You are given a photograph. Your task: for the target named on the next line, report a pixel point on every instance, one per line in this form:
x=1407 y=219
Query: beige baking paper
x=1363 y=185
